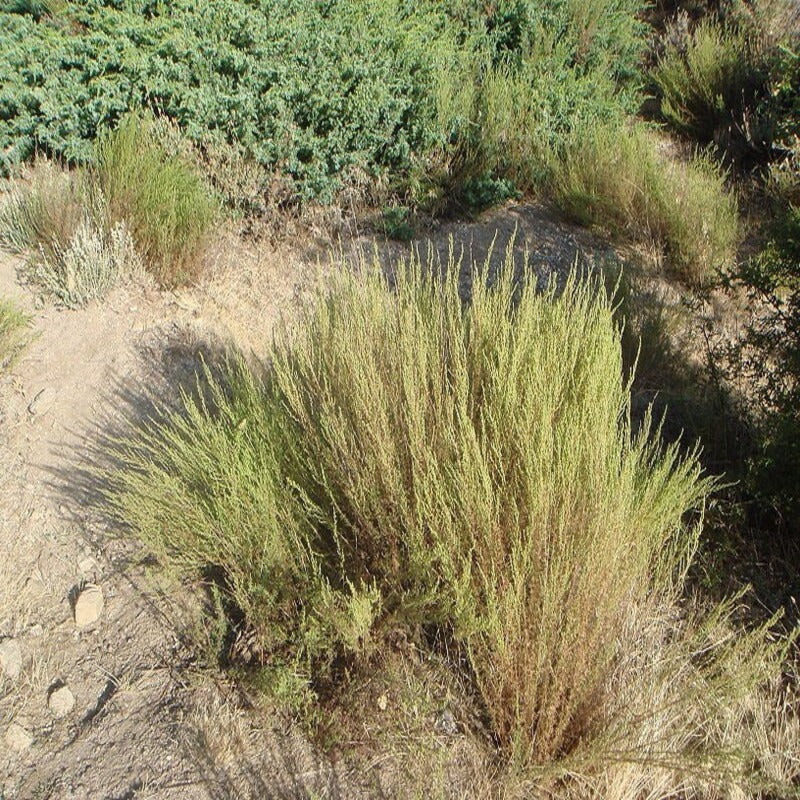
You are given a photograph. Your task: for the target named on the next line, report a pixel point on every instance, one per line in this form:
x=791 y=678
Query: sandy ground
x=148 y=720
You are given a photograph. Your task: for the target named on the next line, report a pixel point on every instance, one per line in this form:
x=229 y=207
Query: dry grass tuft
x=14 y=333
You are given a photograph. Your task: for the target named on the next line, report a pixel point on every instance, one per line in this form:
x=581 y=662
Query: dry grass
x=14 y=333
x=44 y=212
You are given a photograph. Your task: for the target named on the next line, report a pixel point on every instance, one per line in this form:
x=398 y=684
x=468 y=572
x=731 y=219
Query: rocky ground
x=102 y=691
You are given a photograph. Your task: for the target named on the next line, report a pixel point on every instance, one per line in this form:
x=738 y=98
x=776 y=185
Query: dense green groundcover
x=317 y=90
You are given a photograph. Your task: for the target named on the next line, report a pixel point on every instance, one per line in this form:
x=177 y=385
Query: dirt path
x=147 y=720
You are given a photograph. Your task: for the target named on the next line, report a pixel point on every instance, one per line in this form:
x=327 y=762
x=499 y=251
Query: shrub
x=13 y=333
x=616 y=178
x=323 y=93
x=87 y=266
x=768 y=355
x=711 y=87
x=164 y=203
x=408 y=460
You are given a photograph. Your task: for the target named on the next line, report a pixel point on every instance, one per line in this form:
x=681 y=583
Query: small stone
x=89 y=605
x=383 y=702
x=17 y=738
x=61 y=701
x=88 y=566
x=10 y=658
x=36 y=630
x=42 y=401
x=446 y=723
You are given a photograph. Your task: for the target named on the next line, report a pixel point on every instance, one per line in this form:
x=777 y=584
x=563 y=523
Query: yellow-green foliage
x=616 y=177
x=711 y=84
x=162 y=200
x=409 y=459
x=14 y=333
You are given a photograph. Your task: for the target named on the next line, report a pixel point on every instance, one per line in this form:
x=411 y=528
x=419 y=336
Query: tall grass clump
x=14 y=333
x=415 y=461
x=616 y=177
x=159 y=196
x=44 y=212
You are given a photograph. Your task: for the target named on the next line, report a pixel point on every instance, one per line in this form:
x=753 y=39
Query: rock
x=88 y=566
x=61 y=701
x=383 y=702
x=10 y=658
x=17 y=738
x=88 y=605
x=446 y=723
x=36 y=630
x=42 y=401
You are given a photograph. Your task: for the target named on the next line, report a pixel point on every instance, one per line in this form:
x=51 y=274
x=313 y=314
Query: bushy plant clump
x=711 y=84
x=157 y=195
x=139 y=206
x=411 y=461
x=769 y=357
x=731 y=80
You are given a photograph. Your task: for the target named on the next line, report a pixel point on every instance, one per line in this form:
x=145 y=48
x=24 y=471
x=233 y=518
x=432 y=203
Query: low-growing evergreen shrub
x=413 y=460
x=616 y=177
x=324 y=92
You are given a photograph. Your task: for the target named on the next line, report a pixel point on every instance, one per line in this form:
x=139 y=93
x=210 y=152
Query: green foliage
x=734 y=81
x=14 y=333
x=322 y=92
x=409 y=460
x=769 y=355
x=157 y=195
x=396 y=223
x=617 y=178
x=709 y=87
x=142 y=205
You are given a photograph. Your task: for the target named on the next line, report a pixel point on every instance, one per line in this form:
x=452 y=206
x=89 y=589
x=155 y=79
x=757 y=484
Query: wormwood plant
x=414 y=459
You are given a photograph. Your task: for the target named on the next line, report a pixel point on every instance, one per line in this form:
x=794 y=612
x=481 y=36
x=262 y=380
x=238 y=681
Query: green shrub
x=14 y=333
x=710 y=88
x=164 y=203
x=408 y=460
x=768 y=355
x=324 y=93
x=617 y=178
